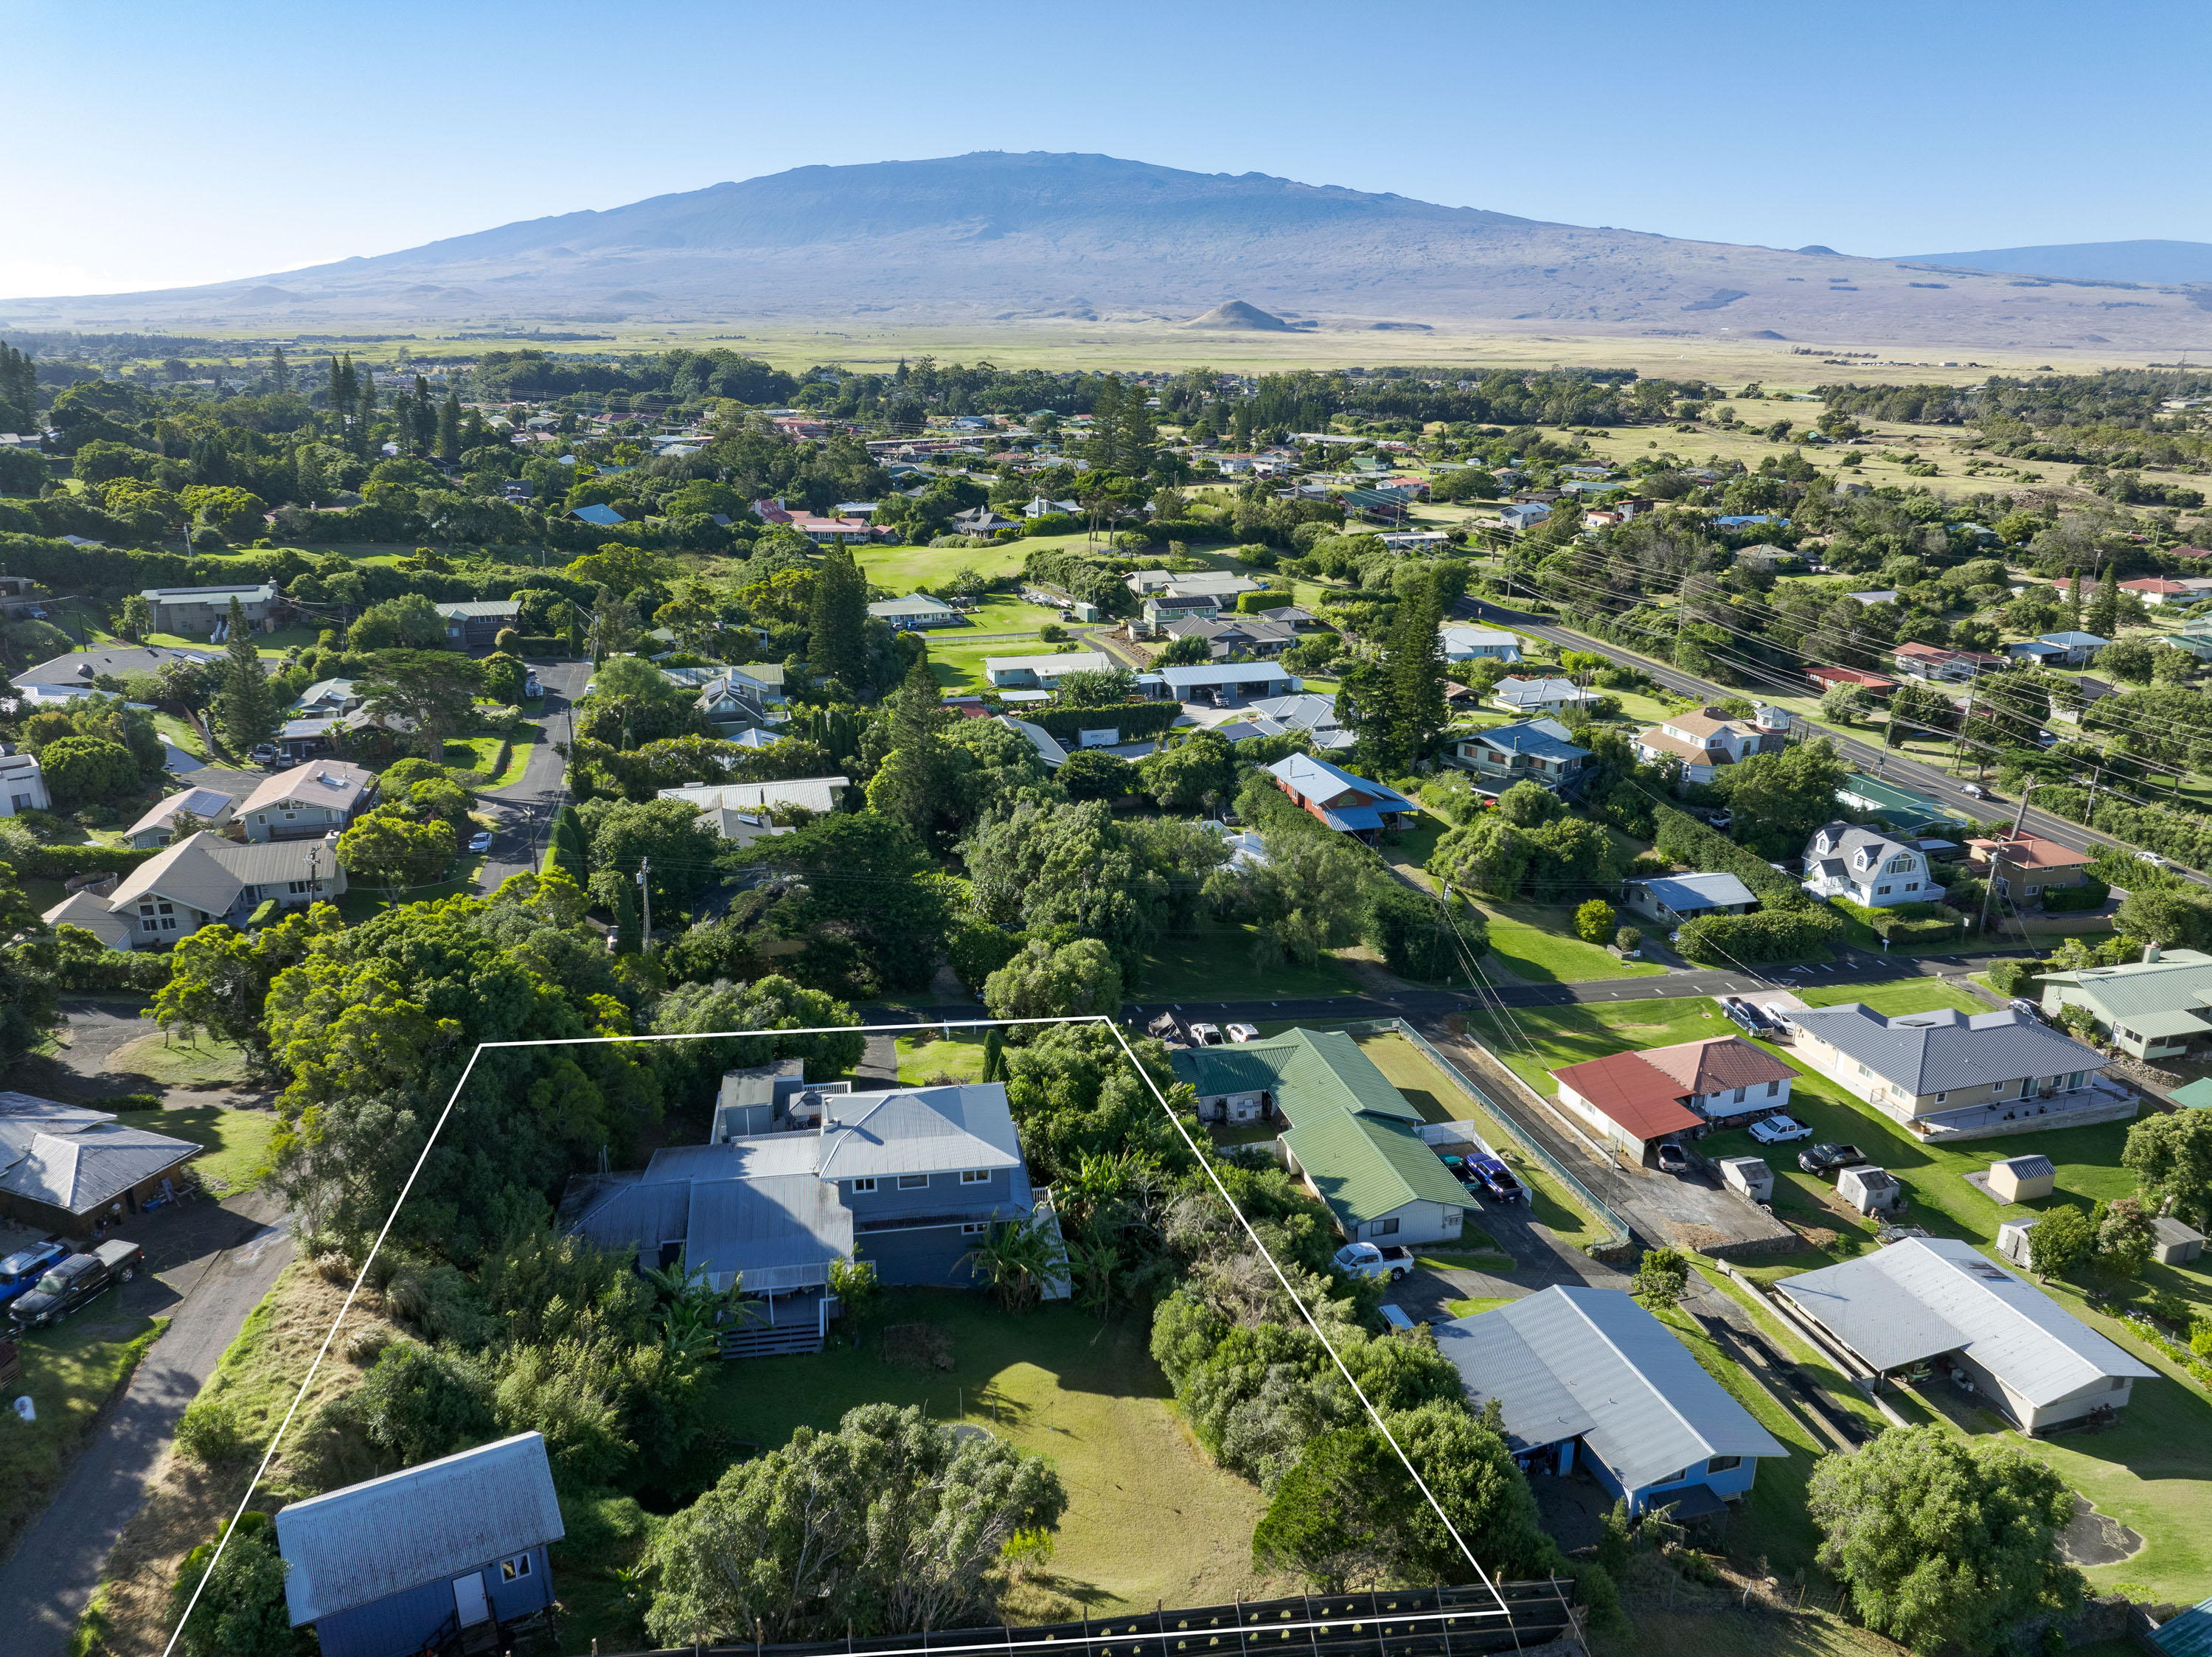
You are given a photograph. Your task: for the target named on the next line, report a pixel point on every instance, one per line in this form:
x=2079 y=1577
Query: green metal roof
x=2171 y=1023
x=2181 y=981
x=1365 y=1166
x=2198 y=1095
x=1898 y=807
x=1313 y=1073
x=2189 y=1635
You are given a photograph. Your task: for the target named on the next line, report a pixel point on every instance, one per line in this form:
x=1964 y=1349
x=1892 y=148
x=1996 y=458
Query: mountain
x=1236 y=314
x=1000 y=238
x=2092 y=261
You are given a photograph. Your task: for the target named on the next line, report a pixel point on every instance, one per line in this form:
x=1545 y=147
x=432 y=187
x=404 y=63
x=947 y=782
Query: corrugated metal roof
x=928 y=1130
x=1320 y=782
x=481 y=610
x=1602 y=1369
x=1311 y=1072
x=78 y=1159
x=1365 y=1166
x=210 y=805
x=2029 y=1168
x=2189 y=1635
x=2181 y=980
x=762 y=1227
x=808 y=793
x=1924 y=1296
x=186 y=873
x=353 y=1547
x=1933 y=1053
x=337 y=784
x=1687 y=891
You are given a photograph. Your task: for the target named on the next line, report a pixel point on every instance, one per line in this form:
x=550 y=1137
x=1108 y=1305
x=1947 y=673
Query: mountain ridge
x=1036 y=236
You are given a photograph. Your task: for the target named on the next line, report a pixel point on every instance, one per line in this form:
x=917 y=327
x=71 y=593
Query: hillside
x=1004 y=237
x=2092 y=261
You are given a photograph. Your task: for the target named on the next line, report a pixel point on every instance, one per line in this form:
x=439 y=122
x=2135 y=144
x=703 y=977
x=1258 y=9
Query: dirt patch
x=186 y=1503
x=918 y=1346
x=2094 y=1539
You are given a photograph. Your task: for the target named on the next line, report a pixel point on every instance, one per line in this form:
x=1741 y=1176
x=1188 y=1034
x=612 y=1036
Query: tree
x=83 y=771
x=2058 y=1241
x=1417 y=936
x=1779 y=799
x=2125 y=1237
x=837 y=623
x=910 y=785
x=218 y=978
x=1042 y=982
x=1090 y=775
x=396 y=854
x=887 y=1526
x=242 y=1610
x=2104 y=619
x=136 y=618
x=434 y=691
x=695 y=616
x=245 y=709
x=449 y=427
x=1943 y=1541
x=1095 y=687
x=1335 y=1517
x=1662 y=1277
x=682 y=849
x=505 y=677
x=1594 y=921
x=410 y=622
x=2171 y=1156
x=1186 y=772
x=1190 y=650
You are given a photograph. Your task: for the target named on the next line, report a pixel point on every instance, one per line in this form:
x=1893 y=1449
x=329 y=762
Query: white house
x=1479 y=644
x=22 y=785
x=1867 y=867
x=1547 y=697
x=1523 y=514
x=203 y=879
x=1709 y=739
x=309 y=801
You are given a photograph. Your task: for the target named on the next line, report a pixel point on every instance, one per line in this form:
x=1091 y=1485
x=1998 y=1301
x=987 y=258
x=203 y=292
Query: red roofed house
x=2190 y=552
x=2157 y=589
x=1828 y=677
x=2023 y=861
x=1638 y=1100
x=1932 y=661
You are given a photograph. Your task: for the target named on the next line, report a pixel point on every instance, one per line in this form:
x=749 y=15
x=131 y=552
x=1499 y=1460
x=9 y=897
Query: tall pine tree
x=910 y=783
x=245 y=711
x=449 y=427
x=2105 y=614
x=280 y=372
x=837 y=640
x=365 y=409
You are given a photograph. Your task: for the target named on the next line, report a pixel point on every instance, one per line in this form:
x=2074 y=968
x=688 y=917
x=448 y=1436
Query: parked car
x=69 y=1283
x=1244 y=1032
x=480 y=841
x=2022 y=1004
x=1489 y=1175
x=1779 y=1130
x=1752 y=1021
x=532 y=685
x=2152 y=858
x=1720 y=822
x=1828 y=1157
x=1205 y=1035
x=1673 y=1158
x=265 y=754
x=25 y=1266
x=1366 y=1260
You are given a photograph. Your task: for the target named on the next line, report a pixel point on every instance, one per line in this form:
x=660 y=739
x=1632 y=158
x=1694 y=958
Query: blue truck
x=19 y=1271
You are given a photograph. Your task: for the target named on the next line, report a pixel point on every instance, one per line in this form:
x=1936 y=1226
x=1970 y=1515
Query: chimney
x=2151 y=953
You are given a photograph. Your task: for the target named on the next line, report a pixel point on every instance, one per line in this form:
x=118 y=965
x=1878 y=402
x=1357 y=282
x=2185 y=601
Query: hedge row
x=2184 y=837
x=1683 y=838
x=1135 y=720
x=1904 y=922
x=62 y=863
x=1766 y=935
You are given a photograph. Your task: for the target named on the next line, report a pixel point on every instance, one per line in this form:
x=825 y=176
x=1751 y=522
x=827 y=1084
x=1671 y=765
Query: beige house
x=309 y=802
x=202 y=879
x=1953 y=1072
x=1710 y=739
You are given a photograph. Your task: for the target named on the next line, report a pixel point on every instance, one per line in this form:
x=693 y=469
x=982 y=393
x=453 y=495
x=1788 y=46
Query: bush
x=2092 y=893
x=1628 y=939
x=211 y=1432
x=1684 y=840
x=1135 y=720
x=1766 y=935
x=1594 y=920
x=1415 y=936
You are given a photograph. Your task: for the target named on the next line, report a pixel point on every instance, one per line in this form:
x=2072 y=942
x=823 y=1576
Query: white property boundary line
x=1222 y=1191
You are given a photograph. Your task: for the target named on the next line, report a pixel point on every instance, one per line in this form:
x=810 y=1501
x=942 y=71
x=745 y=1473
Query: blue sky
x=156 y=145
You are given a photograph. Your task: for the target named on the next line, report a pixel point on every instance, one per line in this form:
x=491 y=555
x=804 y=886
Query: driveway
x=525 y=808
x=211 y=1265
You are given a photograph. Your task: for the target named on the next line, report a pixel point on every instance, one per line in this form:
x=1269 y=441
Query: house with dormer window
x=1867 y=868
x=1711 y=739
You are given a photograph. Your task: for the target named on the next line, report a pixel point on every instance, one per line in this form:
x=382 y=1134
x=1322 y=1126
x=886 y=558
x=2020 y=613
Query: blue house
x=1588 y=1375
x=384 y=1567
x=800 y=1175
x=605 y=517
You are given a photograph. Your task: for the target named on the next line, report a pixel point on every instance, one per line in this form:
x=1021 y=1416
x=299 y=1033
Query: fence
x=1460 y=1621
x=1598 y=1211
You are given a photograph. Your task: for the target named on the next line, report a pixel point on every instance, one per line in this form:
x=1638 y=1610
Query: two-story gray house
x=798 y=1176
x=1868 y=868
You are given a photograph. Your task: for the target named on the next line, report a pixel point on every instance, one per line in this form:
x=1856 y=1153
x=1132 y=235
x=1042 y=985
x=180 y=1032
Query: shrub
x=2012 y=978
x=1628 y=939
x=2092 y=893
x=211 y=1432
x=1594 y=920
x=1685 y=841
x=1767 y=934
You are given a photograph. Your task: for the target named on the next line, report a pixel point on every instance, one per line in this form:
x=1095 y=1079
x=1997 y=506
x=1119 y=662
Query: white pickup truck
x=1366 y=1260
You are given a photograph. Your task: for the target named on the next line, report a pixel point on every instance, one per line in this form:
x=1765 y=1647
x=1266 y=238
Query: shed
x=383 y=1567
x=2020 y=1179
x=2177 y=1243
x=1748 y=1174
x=2013 y=1240
x=1870 y=1191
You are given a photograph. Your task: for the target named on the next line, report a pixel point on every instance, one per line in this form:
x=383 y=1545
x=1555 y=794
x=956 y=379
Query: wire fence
x=1598 y=1210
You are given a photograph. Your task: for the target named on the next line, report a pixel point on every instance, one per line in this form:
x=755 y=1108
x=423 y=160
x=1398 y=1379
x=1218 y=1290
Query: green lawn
x=1214 y=964
x=176 y=1062
x=903 y=568
x=1537 y=945
x=1002 y=613
x=960 y=666
x=69 y=1374
x=237 y=1142
x=1467 y=1308
x=266 y=644
x=924 y=1058
x=1149 y=1518
x=1898 y=997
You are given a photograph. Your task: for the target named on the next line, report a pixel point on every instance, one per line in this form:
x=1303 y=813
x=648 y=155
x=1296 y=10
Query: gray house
x=800 y=1176
x=454 y=1549
x=1587 y=1374
x=474 y=623
x=196 y=612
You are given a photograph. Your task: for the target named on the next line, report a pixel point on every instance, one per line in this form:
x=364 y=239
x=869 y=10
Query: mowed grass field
x=236 y=1142
x=68 y=1373
x=1148 y=1517
x=1536 y=944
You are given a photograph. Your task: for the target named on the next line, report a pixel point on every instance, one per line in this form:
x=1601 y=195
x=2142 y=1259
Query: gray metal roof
x=335 y=783
x=1923 y=1053
x=75 y=1158
x=808 y=793
x=1924 y=1296
x=354 y=1546
x=1684 y=891
x=786 y=1226
x=80 y=667
x=1591 y=1363
x=209 y=805
x=2029 y=1168
x=1847 y=840
x=481 y=610
x=927 y=1131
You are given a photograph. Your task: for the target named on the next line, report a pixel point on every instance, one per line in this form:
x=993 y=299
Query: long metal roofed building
x=389 y=1566
x=62 y=1165
x=1936 y=1299
x=1589 y=1369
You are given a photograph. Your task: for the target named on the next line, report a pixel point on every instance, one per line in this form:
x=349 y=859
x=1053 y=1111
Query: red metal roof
x=1641 y=1096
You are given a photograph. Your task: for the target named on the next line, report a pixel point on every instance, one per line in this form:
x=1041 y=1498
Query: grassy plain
x=1536 y=944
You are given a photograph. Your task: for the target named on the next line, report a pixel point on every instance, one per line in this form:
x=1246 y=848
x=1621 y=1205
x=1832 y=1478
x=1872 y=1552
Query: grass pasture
x=1536 y=944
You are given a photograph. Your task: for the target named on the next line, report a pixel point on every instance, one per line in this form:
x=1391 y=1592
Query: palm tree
x=1017 y=1258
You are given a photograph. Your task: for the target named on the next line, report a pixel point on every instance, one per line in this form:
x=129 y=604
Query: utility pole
x=1989 y=890
x=645 y=893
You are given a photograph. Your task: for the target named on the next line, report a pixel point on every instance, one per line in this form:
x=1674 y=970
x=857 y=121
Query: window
x=975 y=1176
x=913 y=1181
x=1997 y=1090
x=1383 y=1228
x=1772 y=1088
x=2033 y=890
x=1881 y=891
x=974 y=1228
x=2002 y=885
x=1723 y=1464
x=1739 y=1095
x=1912 y=885
x=511 y=1569
x=1940 y=1097
x=1674 y=1477
x=1864 y=1071
x=864 y=1185
x=289 y=815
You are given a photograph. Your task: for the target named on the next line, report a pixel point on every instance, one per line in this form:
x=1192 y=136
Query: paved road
x=212 y=1264
x=525 y=808
x=1868 y=757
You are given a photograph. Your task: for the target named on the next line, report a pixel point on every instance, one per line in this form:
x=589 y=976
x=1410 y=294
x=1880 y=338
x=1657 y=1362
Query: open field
x=1214 y=964
x=237 y=1142
x=1536 y=944
x=1059 y=1383
x=922 y=1059
x=207 y=1061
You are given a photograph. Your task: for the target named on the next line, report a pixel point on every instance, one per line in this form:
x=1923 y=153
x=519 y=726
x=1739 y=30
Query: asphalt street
x=525 y=808
x=211 y=1265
